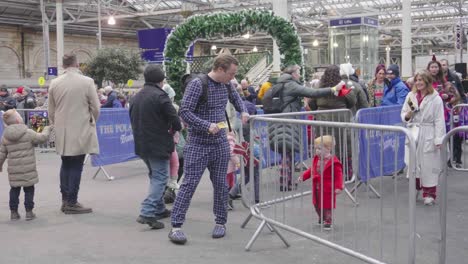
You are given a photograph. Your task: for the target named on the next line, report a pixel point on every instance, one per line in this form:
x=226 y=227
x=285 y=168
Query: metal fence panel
x=371 y=232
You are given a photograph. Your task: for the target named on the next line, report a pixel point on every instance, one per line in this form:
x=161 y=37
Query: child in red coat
x=330 y=179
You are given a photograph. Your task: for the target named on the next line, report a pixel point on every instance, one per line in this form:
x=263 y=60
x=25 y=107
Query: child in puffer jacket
x=234 y=162
x=17 y=145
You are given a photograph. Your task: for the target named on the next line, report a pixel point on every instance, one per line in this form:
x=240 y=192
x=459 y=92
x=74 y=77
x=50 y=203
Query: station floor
x=111 y=235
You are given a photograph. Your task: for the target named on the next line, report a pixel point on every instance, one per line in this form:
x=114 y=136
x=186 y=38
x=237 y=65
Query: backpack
x=273 y=99
x=187 y=78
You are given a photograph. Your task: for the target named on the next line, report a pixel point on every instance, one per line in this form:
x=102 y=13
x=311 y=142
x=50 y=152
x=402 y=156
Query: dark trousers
x=28 y=197
x=457 y=148
x=70 y=177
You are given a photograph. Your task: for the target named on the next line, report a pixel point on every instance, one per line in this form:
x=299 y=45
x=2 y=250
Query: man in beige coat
x=73 y=110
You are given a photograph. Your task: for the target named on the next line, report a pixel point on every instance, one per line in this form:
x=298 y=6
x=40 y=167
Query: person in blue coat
x=395 y=92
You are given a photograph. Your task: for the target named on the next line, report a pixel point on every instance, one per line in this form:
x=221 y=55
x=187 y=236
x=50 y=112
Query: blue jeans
x=158 y=174
x=28 y=197
x=70 y=177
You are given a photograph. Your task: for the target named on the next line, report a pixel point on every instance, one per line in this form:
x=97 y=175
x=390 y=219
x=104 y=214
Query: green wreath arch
x=229 y=24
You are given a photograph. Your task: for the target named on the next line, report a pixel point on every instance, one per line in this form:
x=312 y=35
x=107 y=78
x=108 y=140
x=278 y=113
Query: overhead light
x=246 y=36
x=315 y=43
x=111 y=20
x=255 y=49
x=335 y=45
x=387 y=48
x=213 y=47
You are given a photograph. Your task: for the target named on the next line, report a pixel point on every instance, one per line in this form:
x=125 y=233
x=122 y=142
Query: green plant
x=229 y=24
x=115 y=65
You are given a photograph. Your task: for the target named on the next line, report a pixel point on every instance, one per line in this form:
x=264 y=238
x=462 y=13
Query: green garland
x=229 y=24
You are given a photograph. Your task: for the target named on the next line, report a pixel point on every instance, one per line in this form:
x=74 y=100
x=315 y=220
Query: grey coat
x=18 y=147
x=294 y=92
x=288 y=137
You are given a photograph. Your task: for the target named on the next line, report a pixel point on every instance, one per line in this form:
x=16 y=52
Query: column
x=280 y=8
x=45 y=39
x=406 y=56
x=387 y=58
x=59 y=17
x=99 y=34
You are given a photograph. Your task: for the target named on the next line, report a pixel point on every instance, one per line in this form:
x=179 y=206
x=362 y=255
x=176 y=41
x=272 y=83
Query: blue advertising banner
x=152 y=42
x=115 y=138
x=372 y=141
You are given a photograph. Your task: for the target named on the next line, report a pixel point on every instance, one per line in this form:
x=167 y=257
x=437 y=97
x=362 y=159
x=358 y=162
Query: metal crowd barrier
x=461 y=137
x=443 y=181
x=307 y=134
x=377 y=231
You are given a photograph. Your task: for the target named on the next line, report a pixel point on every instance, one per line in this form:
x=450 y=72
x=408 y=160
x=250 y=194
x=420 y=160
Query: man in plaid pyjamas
x=207 y=145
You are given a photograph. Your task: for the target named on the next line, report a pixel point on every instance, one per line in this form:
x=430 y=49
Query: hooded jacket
x=18 y=147
x=395 y=94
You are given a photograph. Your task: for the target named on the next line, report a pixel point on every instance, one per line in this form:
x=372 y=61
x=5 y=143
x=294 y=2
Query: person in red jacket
x=327 y=179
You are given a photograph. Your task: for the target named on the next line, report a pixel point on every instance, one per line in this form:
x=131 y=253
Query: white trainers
x=428 y=201
x=172 y=183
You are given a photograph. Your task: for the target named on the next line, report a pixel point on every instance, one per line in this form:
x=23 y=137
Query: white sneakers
x=428 y=201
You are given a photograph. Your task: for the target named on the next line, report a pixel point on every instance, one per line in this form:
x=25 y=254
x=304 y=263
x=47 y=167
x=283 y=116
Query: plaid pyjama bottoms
x=197 y=158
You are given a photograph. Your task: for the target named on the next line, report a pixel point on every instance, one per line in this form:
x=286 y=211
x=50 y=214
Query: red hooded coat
x=327 y=181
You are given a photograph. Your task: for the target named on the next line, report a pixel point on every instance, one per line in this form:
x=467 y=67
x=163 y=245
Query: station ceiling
x=433 y=22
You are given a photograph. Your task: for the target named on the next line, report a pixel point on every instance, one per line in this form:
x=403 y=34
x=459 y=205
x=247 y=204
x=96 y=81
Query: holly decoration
x=229 y=24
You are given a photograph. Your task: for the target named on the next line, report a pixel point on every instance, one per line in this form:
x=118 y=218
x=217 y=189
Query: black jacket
x=154 y=119
x=7 y=102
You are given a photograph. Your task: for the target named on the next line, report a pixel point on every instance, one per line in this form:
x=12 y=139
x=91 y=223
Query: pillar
x=280 y=8
x=406 y=56
x=45 y=39
x=59 y=17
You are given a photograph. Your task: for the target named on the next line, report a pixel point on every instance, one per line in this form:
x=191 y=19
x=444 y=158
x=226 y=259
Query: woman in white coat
x=423 y=113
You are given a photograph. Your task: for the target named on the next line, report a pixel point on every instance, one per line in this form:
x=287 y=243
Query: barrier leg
x=373 y=190
x=246 y=221
x=370 y=187
x=279 y=235
x=110 y=178
x=255 y=235
x=249 y=217
x=350 y=196
x=355 y=187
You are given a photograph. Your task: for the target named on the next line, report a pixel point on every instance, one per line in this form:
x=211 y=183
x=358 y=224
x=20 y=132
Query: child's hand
x=299 y=179
x=337 y=191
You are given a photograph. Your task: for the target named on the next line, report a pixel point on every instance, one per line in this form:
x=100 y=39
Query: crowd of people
x=200 y=134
